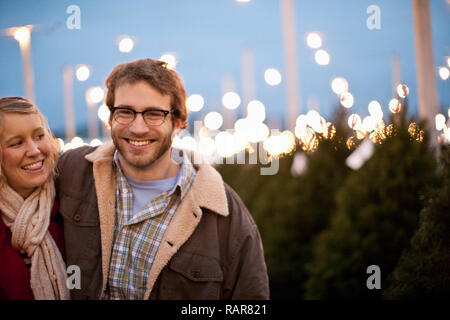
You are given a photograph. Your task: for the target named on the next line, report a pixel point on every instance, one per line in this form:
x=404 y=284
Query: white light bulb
x=322 y=57
x=231 y=100
x=272 y=77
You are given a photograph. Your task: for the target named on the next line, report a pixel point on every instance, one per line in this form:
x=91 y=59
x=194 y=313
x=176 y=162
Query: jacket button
x=196 y=274
x=77 y=217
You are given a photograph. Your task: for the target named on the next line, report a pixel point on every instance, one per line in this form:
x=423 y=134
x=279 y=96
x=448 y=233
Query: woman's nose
x=32 y=149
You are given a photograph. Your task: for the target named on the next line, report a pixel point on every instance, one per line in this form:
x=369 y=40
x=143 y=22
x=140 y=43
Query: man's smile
x=139 y=144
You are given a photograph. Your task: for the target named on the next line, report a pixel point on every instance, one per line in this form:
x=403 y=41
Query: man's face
x=141 y=145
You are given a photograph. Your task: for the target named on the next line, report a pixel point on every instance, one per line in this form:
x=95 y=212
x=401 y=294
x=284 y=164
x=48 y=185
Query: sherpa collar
x=208 y=189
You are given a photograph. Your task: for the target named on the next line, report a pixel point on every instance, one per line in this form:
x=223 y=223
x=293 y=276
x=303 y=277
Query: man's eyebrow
x=130 y=107
x=123 y=106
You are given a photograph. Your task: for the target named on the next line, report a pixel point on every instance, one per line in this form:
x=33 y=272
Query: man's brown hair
x=158 y=75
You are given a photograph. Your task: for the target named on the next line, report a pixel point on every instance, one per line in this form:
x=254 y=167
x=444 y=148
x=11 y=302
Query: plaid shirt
x=137 y=238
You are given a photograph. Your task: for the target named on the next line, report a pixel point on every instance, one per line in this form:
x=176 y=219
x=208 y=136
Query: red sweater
x=14 y=274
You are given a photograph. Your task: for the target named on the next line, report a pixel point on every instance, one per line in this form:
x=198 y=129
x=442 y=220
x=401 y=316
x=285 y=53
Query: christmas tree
x=378 y=210
x=424 y=269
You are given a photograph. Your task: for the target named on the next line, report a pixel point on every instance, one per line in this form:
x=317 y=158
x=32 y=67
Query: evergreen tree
x=424 y=270
x=290 y=211
x=377 y=212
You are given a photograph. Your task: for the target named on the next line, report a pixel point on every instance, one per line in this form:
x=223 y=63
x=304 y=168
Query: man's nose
x=138 y=126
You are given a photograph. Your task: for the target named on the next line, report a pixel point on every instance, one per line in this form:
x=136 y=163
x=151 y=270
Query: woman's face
x=25 y=146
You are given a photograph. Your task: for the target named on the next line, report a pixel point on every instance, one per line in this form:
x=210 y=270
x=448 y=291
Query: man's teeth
x=34 y=165
x=139 y=143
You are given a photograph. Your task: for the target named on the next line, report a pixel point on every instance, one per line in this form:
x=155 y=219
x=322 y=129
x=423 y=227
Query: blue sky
x=208 y=36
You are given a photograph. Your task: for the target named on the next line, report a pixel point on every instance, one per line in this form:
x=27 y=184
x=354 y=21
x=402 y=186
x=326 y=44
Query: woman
x=31 y=263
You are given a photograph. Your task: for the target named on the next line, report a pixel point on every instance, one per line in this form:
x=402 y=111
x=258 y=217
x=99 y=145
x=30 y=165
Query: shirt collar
x=185 y=174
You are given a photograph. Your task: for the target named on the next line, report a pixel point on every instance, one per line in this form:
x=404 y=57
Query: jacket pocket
x=78 y=212
x=191 y=276
x=83 y=243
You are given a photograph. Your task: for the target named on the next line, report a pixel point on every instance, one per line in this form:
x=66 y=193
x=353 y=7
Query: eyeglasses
x=152 y=117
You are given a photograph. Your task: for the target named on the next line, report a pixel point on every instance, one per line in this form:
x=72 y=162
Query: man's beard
x=149 y=157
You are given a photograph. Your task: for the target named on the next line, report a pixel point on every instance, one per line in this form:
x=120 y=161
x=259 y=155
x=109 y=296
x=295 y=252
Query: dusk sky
x=207 y=38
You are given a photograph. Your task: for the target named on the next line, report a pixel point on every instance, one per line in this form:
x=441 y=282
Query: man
x=140 y=225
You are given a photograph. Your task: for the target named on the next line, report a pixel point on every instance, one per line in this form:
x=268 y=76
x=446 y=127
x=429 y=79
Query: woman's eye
x=15 y=144
x=39 y=136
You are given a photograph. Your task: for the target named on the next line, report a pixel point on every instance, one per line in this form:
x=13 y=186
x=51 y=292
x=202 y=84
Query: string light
x=231 y=100
x=195 y=102
x=444 y=73
x=313 y=40
x=339 y=85
x=272 y=77
x=126 y=44
x=322 y=57
x=82 y=72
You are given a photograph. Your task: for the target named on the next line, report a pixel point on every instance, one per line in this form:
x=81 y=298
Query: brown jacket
x=211 y=250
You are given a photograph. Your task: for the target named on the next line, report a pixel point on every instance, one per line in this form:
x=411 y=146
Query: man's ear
x=177 y=123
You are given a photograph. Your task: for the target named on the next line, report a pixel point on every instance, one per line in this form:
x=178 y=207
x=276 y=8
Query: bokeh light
x=313 y=118
x=368 y=124
x=322 y=57
x=354 y=121
x=95 y=142
x=256 y=111
x=395 y=106
x=444 y=73
x=76 y=142
x=339 y=85
x=225 y=144
x=402 y=90
x=213 y=120
x=255 y=131
x=301 y=121
x=272 y=77
x=103 y=113
x=94 y=95
x=170 y=59
x=375 y=110
x=207 y=146
x=61 y=143
x=231 y=100
x=82 y=72
x=195 y=102
x=440 y=121
x=22 y=35
x=313 y=40
x=346 y=100
x=126 y=44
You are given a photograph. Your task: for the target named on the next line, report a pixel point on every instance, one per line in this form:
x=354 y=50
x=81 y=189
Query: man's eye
x=125 y=113
x=154 y=114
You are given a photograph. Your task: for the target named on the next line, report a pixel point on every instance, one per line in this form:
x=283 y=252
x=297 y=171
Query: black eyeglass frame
x=135 y=113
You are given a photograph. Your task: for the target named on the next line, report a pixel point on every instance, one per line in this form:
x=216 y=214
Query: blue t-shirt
x=146 y=191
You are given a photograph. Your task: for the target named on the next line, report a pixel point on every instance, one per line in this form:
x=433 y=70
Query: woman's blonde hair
x=24 y=106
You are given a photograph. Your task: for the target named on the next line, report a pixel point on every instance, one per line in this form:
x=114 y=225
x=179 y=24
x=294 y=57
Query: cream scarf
x=28 y=221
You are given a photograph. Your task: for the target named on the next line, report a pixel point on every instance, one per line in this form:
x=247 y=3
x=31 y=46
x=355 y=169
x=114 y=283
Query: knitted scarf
x=28 y=221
